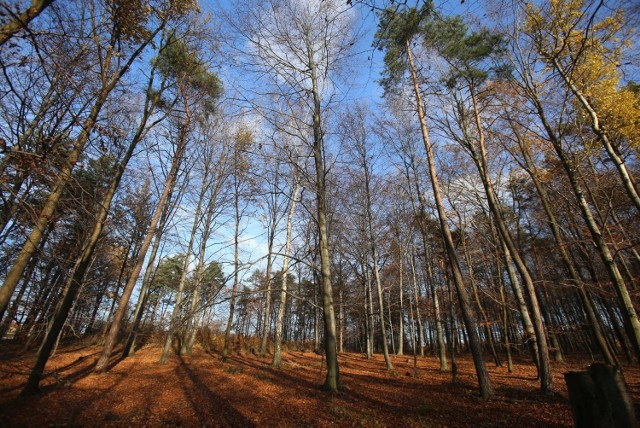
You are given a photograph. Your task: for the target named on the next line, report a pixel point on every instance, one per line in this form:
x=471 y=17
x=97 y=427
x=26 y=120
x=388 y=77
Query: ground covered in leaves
x=244 y=391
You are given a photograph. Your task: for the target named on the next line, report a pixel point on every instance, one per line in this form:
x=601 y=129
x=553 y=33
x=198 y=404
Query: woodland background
x=395 y=178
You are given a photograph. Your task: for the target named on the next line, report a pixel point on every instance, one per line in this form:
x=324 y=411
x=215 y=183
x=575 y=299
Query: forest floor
x=244 y=391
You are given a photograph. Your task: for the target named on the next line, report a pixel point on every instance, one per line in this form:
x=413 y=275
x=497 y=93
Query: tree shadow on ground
x=210 y=408
x=391 y=395
x=77 y=370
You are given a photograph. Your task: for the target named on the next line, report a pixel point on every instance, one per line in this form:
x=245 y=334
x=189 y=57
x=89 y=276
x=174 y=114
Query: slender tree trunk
x=8 y=318
x=370 y=315
x=414 y=341
x=170 y=181
x=332 y=382
x=479 y=155
x=277 y=354
x=505 y=323
x=236 y=264
x=47 y=297
x=176 y=322
x=453 y=331
x=442 y=348
x=391 y=332
x=316 y=316
x=102 y=291
x=474 y=288
x=592 y=317
x=192 y=325
x=130 y=345
x=13 y=310
x=264 y=337
x=486 y=321
x=469 y=316
x=374 y=250
x=527 y=324
x=421 y=212
x=341 y=319
x=383 y=329
x=401 y=309
x=618 y=161
x=607 y=258
x=416 y=296
x=603 y=250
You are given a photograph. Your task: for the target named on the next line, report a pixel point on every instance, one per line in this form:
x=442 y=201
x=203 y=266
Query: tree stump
x=599 y=398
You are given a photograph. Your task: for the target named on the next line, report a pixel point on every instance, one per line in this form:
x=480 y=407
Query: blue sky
x=367 y=67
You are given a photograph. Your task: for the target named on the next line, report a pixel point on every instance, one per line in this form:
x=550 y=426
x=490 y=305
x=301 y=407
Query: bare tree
x=396 y=34
x=357 y=139
x=293 y=200
x=242 y=142
x=299 y=48
x=183 y=64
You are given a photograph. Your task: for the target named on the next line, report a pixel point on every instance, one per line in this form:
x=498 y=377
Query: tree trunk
x=441 y=346
x=592 y=317
x=175 y=322
x=130 y=345
x=9 y=317
x=623 y=171
x=332 y=382
x=236 y=266
x=401 y=309
x=369 y=310
x=469 y=316
x=112 y=336
x=505 y=324
x=383 y=329
x=479 y=156
x=600 y=398
x=18 y=22
x=416 y=296
x=277 y=354
x=264 y=337
x=587 y=215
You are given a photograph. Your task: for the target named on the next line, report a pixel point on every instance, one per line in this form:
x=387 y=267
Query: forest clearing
x=201 y=390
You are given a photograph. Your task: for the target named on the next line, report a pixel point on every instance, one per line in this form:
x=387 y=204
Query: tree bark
x=18 y=22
